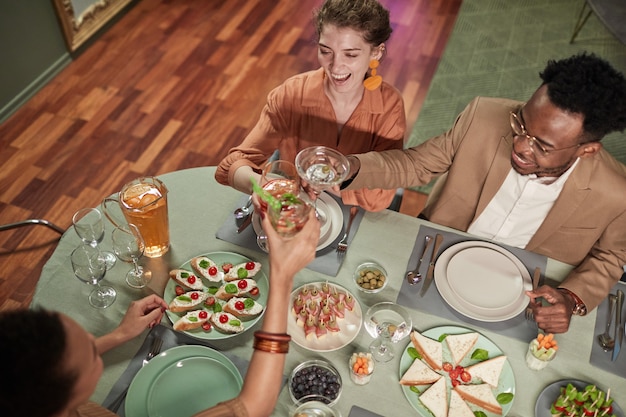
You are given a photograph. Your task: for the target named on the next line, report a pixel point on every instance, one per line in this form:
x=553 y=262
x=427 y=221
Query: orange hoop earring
x=373 y=81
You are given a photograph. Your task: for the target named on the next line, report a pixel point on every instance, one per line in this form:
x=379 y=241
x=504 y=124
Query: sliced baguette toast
x=458 y=407
x=435 y=398
x=419 y=374
x=460 y=345
x=235 y=274
x=192 y=320
x=488 y=371
x=480 y=395
x=201 y=266
x=243 y=307
x=431 y=350
x=190 y=300
x=226 y=323
x=186 y=279
x=235 y=289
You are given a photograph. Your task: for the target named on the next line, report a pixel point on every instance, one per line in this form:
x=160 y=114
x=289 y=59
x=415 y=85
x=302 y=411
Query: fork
x=342 y=246
x=529 y=311
x=155 y=349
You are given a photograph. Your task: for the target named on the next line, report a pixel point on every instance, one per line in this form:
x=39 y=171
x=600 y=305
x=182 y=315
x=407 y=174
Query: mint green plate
x=181 y=382
x=505 y=384
x=219 y=258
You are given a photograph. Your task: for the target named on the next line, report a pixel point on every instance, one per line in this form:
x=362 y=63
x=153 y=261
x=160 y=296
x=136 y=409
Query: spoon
x=243 y=211
x=604 y=339
x=413 y=277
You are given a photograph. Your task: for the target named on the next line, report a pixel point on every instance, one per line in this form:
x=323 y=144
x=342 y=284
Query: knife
x=431 y=265
x=245 y=223
x=619 y=325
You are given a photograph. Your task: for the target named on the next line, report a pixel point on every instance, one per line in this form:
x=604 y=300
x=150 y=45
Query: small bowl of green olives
x=370 y=277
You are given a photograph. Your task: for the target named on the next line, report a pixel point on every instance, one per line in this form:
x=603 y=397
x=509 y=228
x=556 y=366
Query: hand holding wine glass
x=388 y=323
x=129 y=246
x=320 y=169
x=89 y=227
x=89 y=266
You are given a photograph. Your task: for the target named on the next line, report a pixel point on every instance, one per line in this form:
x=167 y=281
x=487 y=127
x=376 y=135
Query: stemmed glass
x=89 y=227
x=89 y=266
x=129 y=246
x=321 y=168
x=388 y=323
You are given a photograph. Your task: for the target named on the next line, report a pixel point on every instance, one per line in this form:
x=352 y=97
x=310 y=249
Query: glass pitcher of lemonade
x=143 y=202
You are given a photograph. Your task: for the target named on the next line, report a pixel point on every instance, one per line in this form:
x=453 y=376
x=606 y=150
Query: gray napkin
x=326 y=260
x=432 y=303
x=598 y=357
x=357 y=411
x=171 y=339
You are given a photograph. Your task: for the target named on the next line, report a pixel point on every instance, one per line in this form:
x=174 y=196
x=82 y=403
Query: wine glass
x=279 y=177
x=89 y=227
x=388 y=323
x=129 y=246
x=321 y=168
x=89 y=266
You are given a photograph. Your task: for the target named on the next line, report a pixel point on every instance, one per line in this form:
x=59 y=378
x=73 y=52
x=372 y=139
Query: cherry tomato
x=223 y=318
x=226 y=268
x=206 y=326
x=250 y=266
x=239 y=305
x=191 y=279
x=447 y=366
x=465 y=376
x=203 y=314
x=212 y=270
x=254 y=291
x=459 y=369
x=194 y=295
x=179 y=290
x=209 y=301
x=454 y=382
x=454 y=374
x=242 y=284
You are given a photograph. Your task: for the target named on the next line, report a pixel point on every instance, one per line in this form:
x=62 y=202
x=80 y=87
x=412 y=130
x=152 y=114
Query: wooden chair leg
x=581 y=20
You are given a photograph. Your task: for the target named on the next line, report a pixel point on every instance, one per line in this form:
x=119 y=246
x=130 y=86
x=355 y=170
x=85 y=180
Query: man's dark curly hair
x=32 y=348
x=589 y=85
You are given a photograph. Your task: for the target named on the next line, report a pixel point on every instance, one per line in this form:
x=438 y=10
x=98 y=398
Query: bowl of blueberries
x=315 y=380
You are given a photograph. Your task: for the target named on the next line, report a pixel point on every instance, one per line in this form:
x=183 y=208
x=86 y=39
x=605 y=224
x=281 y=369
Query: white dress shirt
x=519 y=207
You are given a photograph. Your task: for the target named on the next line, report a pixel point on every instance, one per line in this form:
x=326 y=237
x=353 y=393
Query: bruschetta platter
x=468 y=371
x=216 y=295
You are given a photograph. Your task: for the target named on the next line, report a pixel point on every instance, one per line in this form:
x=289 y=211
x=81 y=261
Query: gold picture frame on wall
x=81 y=19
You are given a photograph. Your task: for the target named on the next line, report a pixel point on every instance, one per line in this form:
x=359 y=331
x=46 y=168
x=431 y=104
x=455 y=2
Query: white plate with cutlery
x=482 y=281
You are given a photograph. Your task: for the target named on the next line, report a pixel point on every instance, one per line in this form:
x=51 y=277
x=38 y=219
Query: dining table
x=199 y=206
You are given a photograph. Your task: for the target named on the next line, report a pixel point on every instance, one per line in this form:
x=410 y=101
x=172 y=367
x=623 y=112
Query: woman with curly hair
x=343 y=105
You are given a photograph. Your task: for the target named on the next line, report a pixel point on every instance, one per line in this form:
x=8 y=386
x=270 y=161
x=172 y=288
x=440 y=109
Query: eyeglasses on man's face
x=519 y=131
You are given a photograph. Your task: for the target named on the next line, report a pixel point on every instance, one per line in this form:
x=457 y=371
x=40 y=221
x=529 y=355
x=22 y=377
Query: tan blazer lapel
x=574 y=193
x=501 y=165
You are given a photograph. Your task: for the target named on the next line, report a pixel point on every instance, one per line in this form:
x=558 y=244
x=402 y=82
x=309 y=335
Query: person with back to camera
x=52 y=365
x=337 y=105
x=532 y=175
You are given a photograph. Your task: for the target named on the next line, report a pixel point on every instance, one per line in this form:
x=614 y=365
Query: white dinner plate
x=552 y=391
x=349 y=326
x=181 y=382
x=219 y=258
x=329 y=230
x=482 y=281
x=506 y=383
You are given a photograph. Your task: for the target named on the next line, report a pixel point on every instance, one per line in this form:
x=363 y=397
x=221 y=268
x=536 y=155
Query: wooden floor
x=172 y=85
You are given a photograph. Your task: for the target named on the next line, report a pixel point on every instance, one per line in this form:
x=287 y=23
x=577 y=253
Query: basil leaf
x=248 y=303
x=231 y=289
x=184 y=298
x=505 y=397
x=480 y=354
x=235 y=323
x=414 y=389
x=242 y=273
x=192 y=318
x=184 y=274
x=204 y=263
x=213 y=290
x=443 y=336
x=217 y=307
x=479 y=414
x=413 y=353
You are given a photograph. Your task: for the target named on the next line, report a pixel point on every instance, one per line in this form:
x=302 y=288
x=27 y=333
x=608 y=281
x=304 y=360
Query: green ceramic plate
x=507 y=379
x=219 y=258
x=181 y=382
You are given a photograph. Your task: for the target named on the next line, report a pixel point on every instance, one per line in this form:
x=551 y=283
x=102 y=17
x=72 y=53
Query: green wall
x=32 y=50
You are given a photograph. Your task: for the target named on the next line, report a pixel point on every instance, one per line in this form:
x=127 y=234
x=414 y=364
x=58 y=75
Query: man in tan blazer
x=532 y=175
